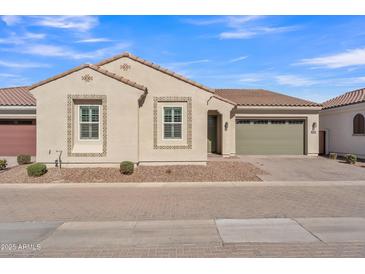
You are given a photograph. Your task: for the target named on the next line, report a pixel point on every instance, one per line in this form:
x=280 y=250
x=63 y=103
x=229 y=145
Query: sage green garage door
x=266 y=136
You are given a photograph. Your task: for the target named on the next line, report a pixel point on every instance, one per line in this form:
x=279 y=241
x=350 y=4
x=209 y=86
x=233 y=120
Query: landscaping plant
x=36 y=170
x=126 y=167
x=333 y=156
x=3 y=164
x=23 y=159
x=351 y=159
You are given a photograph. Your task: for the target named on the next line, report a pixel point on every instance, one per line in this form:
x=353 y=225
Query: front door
x=212 y=134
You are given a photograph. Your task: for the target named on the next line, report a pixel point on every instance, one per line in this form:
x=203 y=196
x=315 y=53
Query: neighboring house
x=126 y=108
x=342 y=124
x=17 y=122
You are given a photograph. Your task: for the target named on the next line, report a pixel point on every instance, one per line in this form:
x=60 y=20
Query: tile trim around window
x=70 y=132
x=187 y=100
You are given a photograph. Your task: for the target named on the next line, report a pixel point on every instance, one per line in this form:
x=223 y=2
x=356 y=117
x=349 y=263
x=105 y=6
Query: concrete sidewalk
x=43 y=238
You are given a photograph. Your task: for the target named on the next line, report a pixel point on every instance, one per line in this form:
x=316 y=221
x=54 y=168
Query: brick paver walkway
x=166 y=203
x=179 y=203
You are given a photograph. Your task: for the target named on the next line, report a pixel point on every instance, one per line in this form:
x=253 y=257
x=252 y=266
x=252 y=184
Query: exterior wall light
x=226 y=125
x=314 y=127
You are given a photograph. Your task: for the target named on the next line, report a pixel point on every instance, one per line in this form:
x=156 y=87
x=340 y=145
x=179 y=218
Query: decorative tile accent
x=87 y=78
x=125 y=67
x=188 y=100
x=70 y=131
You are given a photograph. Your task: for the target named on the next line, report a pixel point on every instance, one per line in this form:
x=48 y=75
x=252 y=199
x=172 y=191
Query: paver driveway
x=302 y=168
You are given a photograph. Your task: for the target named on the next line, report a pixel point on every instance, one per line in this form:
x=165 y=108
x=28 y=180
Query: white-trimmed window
x=89 y=122
x=172 y=122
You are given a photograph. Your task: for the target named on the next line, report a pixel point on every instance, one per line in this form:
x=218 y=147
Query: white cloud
x=47 y=50
x=240 y=27
x=180 y=65
x=230 y=21
x=240 y=58
x=238 y=21
x=294 y=80
x=8 y=75
x=11 y=20
x=254 y=31
x=22 y=65
x=240 y=34
x=251 y=77
x=94 y=40
x=15 y=39
x=69 y=53
x=355 y=57
x=79 y=23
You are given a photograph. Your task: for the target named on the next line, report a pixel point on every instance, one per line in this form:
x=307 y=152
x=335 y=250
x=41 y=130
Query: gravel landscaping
x=213 y=172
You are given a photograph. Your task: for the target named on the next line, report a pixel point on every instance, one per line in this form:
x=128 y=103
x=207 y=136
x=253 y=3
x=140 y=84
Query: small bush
x=351 y=158
x=168 y=171
x=36 y=170
x=333 y=156
x=3 y=164
x=126 y=167
x=23 y=159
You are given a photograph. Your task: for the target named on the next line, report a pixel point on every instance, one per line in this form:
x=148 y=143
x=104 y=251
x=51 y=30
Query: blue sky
x=313 y=57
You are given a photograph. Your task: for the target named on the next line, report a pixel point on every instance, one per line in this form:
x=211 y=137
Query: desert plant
x=351 y=158
x=36 y=170
x=126 y=167
x=23 y=159
x=168 y=171
x=333 y=156
x=3 y=164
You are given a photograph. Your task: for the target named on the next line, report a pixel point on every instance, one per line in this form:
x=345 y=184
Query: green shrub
x=3 y=164
x=333 y=156
x=23 y=159
x=126 y=167
x=36 y=170
x=351 y=158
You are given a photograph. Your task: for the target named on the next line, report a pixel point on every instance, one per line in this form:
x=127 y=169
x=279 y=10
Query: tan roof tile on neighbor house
x=349 y=98
x=93 y=67
x=16 y=96
x=261 y=97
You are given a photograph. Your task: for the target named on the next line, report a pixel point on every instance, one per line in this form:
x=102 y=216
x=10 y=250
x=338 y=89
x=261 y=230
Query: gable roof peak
x=156 y=67
x=93 y=67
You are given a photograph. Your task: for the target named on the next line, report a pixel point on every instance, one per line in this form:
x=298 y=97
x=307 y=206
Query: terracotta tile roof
x=155 y=66
x=16 y=96
x=261 y=97
x=94 y=67
x=349 y=98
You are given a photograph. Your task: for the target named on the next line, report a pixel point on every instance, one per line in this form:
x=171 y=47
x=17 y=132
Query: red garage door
x=17 y=139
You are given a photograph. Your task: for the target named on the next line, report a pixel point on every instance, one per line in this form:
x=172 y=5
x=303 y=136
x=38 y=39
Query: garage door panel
x=263 y=139
x=17 y=139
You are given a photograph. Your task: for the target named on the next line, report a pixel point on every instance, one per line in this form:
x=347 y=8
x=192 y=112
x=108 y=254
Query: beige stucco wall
x=309 y=115
x=162 y=85
x=338 y=124
x=122 y=118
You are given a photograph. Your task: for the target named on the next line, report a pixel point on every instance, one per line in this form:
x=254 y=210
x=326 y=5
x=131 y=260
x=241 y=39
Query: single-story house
x=127 y=108
x=342 y=124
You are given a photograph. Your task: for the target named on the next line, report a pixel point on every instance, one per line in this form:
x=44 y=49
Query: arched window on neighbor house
x=359 y=124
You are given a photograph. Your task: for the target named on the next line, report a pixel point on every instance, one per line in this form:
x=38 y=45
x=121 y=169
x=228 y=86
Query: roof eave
x=93 y=67
x=315 y=107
